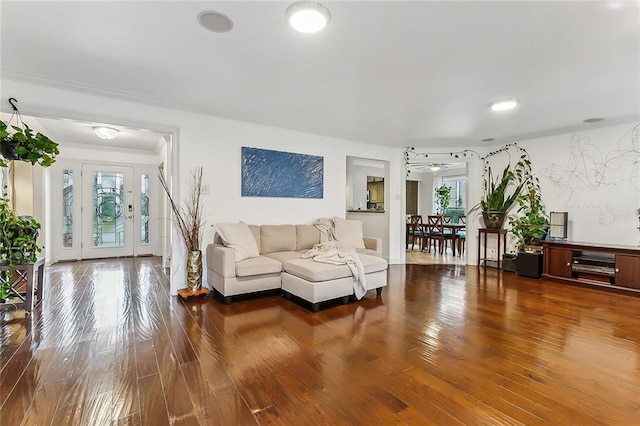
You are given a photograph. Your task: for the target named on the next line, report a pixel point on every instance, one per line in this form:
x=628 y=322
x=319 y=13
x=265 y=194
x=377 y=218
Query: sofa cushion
x=284 y=256
x=257 y=266
x=275 y=238
x=317 y=271
x=349 y=232
x=368 y=251
x=238 y=237
x=306 y=236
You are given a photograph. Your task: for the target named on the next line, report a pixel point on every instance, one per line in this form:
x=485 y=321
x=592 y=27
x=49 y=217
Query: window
x=144 y=209
x=67 y=208
x=458 y=200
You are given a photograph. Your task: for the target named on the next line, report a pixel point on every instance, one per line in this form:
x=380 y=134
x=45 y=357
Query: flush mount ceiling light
x=504 y=105
x=308 y=16
x=106 y=132
x=435 y=167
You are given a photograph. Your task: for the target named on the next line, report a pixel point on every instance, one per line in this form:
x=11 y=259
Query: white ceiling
x=393 y=73
x=68 y=133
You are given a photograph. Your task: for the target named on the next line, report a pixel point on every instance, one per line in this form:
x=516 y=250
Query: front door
x=107 y=211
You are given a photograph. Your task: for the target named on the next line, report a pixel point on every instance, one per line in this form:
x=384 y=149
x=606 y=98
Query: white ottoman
x=317 y=282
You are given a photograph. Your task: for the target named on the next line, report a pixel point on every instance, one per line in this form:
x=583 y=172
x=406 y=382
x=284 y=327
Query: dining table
x=454 y=228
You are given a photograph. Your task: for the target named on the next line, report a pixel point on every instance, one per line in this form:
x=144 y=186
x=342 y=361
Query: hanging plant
x=444 y=197
x=18 y=142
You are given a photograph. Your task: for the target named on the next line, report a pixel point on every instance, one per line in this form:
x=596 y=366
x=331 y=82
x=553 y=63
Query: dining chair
x=461 y=235
x=416 y=231
x=437 y=233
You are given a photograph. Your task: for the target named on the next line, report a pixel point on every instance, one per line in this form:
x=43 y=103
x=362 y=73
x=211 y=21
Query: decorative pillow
x=349 y=232
x=238 y=236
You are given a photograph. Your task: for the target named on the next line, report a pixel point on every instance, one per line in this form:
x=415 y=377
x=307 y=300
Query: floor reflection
x=443 y=344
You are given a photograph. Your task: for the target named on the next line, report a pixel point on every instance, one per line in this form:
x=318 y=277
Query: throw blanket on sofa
x=326 y=228
x=334 y=253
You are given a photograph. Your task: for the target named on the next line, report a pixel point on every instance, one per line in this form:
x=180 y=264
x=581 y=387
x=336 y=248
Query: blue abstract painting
x=267 y=173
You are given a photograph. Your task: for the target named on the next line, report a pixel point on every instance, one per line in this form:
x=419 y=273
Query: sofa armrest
x=374 y=244
x=221 y=260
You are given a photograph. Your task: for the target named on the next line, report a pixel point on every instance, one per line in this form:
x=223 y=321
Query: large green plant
x=22 y=144
x=501 y=193
x=533 y=223
x=18 y=235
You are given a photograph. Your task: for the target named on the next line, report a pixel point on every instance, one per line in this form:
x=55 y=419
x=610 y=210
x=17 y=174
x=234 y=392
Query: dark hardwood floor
x=442 y=345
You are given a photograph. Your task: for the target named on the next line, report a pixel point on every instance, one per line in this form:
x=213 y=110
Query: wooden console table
x=28 y=277
x=602 y=265
x=482 y=241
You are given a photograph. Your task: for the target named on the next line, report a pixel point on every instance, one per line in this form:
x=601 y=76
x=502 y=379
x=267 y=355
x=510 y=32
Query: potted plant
x=444 y=197
x=188 y=220
x=529 y=228
x=497 y=200
x=533 y=224
x=18 y=242
x=21 y=144
x=501 y=193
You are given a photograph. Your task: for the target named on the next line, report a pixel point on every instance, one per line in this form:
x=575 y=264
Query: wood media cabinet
x=613 y=266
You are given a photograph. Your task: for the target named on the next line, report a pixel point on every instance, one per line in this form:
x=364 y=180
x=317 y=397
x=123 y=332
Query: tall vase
x=194 y=270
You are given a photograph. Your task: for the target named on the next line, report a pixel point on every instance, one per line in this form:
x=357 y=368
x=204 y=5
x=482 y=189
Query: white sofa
x=269 y=258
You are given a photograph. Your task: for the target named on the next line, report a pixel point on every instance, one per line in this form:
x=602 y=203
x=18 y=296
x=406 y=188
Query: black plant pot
x=529 y=264
x=493 y=220
x=8 y=151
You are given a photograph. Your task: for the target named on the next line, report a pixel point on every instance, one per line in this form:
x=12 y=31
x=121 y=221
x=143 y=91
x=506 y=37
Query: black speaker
x=529 y=264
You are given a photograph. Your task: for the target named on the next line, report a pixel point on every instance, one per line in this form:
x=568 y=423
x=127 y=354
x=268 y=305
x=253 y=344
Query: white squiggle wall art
x=593 y=179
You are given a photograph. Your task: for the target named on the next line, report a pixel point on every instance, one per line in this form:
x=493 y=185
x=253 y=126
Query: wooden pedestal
x=185 y=293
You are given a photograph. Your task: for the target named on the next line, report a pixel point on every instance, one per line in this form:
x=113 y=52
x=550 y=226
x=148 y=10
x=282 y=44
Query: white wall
x=595 y=176
x=215 y=143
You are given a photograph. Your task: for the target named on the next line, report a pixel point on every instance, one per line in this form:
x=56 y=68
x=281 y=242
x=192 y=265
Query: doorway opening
x=424 y=244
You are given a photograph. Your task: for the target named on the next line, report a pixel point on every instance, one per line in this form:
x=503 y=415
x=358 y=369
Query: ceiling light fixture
x=106 y=132
x=308 y=16
x=504 y=105
x=435 y=167
x=593 y=120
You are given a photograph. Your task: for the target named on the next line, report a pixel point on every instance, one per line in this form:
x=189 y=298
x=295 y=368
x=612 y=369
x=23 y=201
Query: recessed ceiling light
x=487 y=140
x=106 y=132
x=215 y=21
x=308 y=16
x=504 y=105
x=593 y=120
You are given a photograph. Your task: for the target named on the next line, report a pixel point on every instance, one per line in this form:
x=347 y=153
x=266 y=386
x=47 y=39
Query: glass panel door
x=107 y=210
